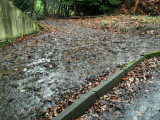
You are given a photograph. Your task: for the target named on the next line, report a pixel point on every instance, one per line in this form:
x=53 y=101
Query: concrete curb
x=129 y=67
x=108 y=84
x=79 y=107
x=150 y=55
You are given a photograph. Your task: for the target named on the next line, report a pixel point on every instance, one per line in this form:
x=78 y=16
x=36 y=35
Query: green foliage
x=104 y=23
x=103 y=8
x=146 y=19
x=68 y=3
x=39 y=7
x=23 y=4
x=3 y=44
x=9 y=41
x=114 y=2
x=66 y=7
x=92 y=7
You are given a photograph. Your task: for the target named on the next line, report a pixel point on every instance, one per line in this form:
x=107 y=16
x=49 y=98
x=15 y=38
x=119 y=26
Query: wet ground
x=37 y=72
x=137 y=97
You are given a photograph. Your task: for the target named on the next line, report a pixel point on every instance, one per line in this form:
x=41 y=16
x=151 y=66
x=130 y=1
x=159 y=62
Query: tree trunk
x=133 y=10
x=45 y=8
x=32 y=8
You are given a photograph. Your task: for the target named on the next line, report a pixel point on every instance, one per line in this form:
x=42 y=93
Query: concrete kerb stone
x=65 y=115
x=78 y=108
x=129 y=67
x=83 y=104
x=150 y=55
x=108 y=84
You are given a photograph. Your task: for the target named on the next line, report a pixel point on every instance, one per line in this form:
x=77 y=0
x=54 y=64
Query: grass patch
x=104 y=23
x=6 y=43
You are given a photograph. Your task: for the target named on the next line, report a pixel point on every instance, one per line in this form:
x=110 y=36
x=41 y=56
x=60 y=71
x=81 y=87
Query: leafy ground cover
x=141 y=24
x=42 y=75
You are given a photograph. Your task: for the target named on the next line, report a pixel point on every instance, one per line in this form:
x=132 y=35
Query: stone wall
x=14 y=23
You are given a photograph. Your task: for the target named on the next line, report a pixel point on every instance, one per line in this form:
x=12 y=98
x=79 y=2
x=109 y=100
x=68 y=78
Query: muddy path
x=37 y=72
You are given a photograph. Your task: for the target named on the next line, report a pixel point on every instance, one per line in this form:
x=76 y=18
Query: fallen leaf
x=135 y=118
x=54 y=109
x=55 y=114
x=151 y=82
x=98 y=110
x=139 y=114
x=73 y=96
x=125 y=79
x=22 y=112
x=22 y=90
x=90 y=84
x=128 y=84
x=147 y=90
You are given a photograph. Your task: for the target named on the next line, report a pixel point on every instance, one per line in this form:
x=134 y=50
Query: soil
x=37 y=73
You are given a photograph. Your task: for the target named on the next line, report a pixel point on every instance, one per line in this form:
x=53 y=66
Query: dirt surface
x=45 y=71
x=137 y=97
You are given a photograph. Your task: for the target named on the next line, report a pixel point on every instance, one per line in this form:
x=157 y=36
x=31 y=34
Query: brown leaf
x=128 y=84
x=55 y=114
x=54 y=109
x=139 y=114
x=74 y=97
x=98 y=110
x=22 y=112
x=135 y=118
x=90 y=84
x=124 y=78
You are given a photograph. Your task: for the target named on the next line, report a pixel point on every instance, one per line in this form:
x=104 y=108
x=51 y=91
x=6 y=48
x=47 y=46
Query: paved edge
x=108 y=84
x=152 y=54
x=133 y=64
x=79 y=107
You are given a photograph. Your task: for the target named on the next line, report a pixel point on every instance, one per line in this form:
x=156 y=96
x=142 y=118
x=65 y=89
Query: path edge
x=79 y=107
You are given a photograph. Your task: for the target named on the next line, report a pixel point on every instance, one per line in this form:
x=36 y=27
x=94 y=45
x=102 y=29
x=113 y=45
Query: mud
x=36 y=72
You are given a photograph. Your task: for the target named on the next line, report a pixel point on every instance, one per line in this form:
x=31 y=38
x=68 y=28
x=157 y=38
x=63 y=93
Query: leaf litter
x=132 y=87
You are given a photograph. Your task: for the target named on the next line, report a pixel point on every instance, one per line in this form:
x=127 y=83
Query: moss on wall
x=14 y=23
